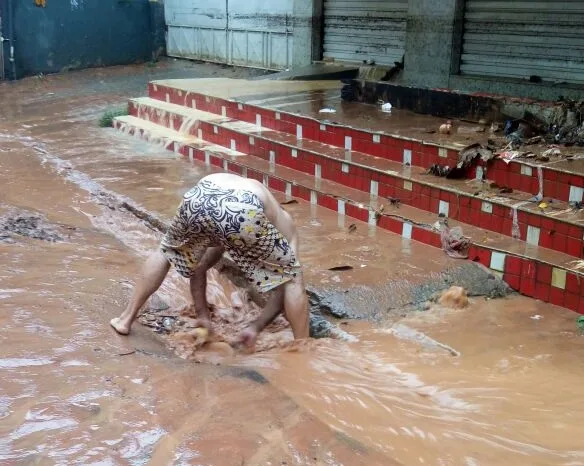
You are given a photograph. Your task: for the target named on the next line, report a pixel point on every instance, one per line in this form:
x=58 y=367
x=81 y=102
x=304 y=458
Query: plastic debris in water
x=580 y=322
x=386 y=107
x=536 y=317
x=327 y=110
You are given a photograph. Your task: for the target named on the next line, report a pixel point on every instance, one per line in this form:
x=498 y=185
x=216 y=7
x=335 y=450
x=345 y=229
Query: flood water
x=74 y=392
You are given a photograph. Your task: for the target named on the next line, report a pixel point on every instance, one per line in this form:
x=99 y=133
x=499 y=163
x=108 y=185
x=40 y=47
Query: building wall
x=72 y=34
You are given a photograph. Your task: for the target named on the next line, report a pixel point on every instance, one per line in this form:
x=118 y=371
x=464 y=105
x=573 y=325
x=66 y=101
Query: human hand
x=248 y=337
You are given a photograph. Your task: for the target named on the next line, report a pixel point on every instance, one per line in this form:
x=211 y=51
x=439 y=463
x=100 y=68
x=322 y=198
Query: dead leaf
x=291 y=201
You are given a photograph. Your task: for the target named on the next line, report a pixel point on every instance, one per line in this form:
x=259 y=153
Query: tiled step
x=559 y=227
x=533 y=271
x=563 y=181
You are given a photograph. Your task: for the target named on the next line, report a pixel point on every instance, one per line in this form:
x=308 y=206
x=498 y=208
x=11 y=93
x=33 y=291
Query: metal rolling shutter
x=521 y=38
x=365 y=30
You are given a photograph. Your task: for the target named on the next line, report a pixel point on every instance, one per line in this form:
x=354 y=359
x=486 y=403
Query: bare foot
x=248 y=337
x=119 y=326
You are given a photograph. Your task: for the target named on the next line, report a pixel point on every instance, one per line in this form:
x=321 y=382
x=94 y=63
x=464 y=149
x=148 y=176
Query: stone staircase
x=382 y=179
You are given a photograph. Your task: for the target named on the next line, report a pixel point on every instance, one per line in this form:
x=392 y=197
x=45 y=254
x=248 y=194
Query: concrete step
x=563 y=179
x=534 y=271
x=558 y=227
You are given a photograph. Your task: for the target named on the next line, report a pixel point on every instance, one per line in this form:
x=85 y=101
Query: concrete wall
x=72 y=34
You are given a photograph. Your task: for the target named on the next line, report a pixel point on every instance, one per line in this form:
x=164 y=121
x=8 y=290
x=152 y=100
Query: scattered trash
x=554 y=151
x=495 y=127
x=543 y=205
x=394 y=201
x=288 y=202
x=341 y=268
x=386 y=107
x=454 y=297
x=352 y=228
x=127 y=353
x=580 y=322
x=507 y=156
x=537 y=198
x=505 y=190
x=454 y=243
x=470 y=153
x=576 y=205
x=536 y=317
x=445 y=128
x=534 y=140
x=327 y=110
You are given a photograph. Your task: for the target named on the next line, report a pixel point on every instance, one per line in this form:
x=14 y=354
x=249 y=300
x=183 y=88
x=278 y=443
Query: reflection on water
x=72 y=392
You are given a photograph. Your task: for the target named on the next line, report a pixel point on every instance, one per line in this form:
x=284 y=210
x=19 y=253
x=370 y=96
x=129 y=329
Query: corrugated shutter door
x=521 y=38
x=365 y=30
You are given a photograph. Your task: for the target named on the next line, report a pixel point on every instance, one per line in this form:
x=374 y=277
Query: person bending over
x=228 y=213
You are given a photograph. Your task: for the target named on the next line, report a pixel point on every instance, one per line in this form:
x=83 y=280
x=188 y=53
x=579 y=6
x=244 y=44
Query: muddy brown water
x=73 y=392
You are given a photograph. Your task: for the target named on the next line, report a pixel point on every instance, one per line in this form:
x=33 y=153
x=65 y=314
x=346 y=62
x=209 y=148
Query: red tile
x=513 y=265
x=577 y=180
x=544 y=274
x=562 y=228
x=559 y=242
x=571 y=301
x=557 y=296
x=513 y=281
x=575 y=232
x=390 y=224
x=546 y=239
x=542 y=292
x=277 y=184
x=527 y=286
x=574 y=247
x=573 y=283
x=480 y=254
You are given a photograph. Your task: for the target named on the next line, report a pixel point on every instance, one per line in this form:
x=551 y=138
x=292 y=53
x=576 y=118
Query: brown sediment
x=73 y=391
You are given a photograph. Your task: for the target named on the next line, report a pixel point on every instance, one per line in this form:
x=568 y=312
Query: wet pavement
x=74 y=392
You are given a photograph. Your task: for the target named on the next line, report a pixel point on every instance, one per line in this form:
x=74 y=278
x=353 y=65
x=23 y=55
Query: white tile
x=345 y=168
x=487 y=207
x=372 y=218
x=313 y=197
x=215 y=130
x=341 y=207
x=407 y=230
x=374 y=189
x=576 y=194
x=266 y=180
x=223 y=111
x=167 y=97
x=480 y=173
x=233 y=145
x=258 y=120
x=317 y=171
x=348 y=156
x=277 y=115
x=180 y=93
x=408 y=185
x=442 y=152
x=225 y=166
x=251 y=141
x=533 y=235
x=526 y=170
x=244 y=172
x=348 y=143
x=207 y=99
x=289 y=189
x=207 y=158
x=155 y=87
x=240 y=106
x=272 y=157
x=323 y=127
x=498 y=261
x=200 y=133
x=194 y=104
x=376 y=138
x=294 y=153
x=559 y=278
x=407 y=156
x=191 y=155
x=298 y=131
x=443 y=208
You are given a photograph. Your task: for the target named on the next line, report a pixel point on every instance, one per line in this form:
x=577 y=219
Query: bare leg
x=199 y=283
x=153 y=274
x=296 y=307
